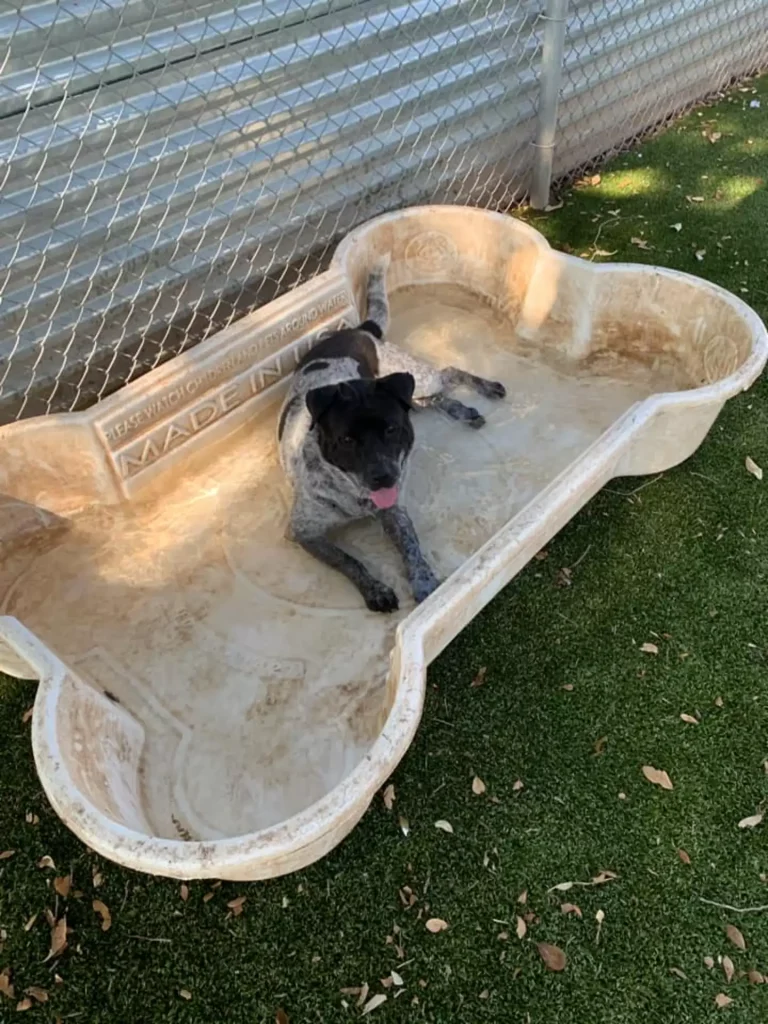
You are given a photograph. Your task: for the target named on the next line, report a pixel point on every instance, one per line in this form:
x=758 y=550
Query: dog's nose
x=383 y=479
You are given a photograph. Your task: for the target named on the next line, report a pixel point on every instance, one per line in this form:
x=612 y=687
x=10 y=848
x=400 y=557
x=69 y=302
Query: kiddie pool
x=212 y=701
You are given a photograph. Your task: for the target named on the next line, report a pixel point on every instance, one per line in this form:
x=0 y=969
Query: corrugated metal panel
x=629 y=65
x=152 y=162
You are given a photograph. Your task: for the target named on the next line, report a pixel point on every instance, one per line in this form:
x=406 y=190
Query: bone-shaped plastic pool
x=213 y=702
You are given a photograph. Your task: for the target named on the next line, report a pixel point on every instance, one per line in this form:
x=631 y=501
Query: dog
x=344 y=435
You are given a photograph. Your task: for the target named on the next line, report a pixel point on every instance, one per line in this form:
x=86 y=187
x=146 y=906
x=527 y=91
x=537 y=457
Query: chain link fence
x=168 y=165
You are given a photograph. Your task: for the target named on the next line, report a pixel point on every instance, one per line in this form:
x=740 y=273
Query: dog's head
x=363 y=428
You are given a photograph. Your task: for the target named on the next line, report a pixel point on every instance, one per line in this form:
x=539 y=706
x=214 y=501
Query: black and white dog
x=344 y=435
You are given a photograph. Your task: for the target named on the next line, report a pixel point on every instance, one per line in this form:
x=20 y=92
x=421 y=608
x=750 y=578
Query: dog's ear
x=401 y=385
x=319 y=401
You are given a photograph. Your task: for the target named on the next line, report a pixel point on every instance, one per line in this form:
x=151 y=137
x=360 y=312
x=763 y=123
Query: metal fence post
x=549 y=95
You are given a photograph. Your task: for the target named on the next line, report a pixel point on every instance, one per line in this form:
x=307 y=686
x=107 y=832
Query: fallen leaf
x=649 y=649
x=553 y=956
x=46 y=862
x=236 y=904
x=38 y=994
x=485 y=994
x=568 y=687
x=24 y=1004
x=517 y=785
x=521 y=928
x=28 y=924
x=752 y=821
x=735 y=936
x=753 y=468
x=562 y=887
x=185 y=994
x=657 y=777
x=363 y=995
x=683 y=856
x=709 y=962
x=700 y=254
x=436 y=924
x=62 y=885
x=444 y=826
x=396 y=979
x=756 y=978
x=718 y=702
x=31 y=818
x=695 y=199
x=374 y=1002
x=722 y=1000
x=97 y=879
x=679 y=973
x=599 y=745
x=58 y=938
x=570 y=908
x=6 y=854
x=6 y=985
x=502 y=936
x=184 y=891
x=689 y=719
x=603 y=877
x=103 y=911
x=478 y=786
x=389 y=796
x=405 y=828
x=728 y=969
x=27 y=715
x=480 y=677
x=523 y=897
x=281 y=1017
x=640 y=243
x=676 y=227
x=208 y=896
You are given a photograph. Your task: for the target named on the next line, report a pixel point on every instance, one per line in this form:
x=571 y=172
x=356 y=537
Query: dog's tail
x=377 y=313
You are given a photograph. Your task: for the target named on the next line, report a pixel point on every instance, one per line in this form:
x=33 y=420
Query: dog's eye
x=347 y=441
x=391 y=430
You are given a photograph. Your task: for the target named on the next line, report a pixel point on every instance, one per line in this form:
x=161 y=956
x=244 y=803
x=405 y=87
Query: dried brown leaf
x=657 y=777
x=728 y=969
x=680 y=974
x=598 y=746
x=444 y=826
x=30 y=922
x=396 y=979
x=185 y=994
x=363 y=995
x=752 y=821
x=46 y=862
x=570 y=908
x=561 y=887
x=735 y=936
x=689 y=719
x=517 y=785
x=58 y=938
x=649 y=648
x=184 y=891
x=38 y=994
x=103 y=911
x=523 y=897
x=521 y=928
x=683 y=856
x=756 y=978
x=97 y=879
x=709 y=962
x=718 y=702
x=436 y=924
x=281 y=1017
x=722 y=1000
x=695 y=199
x=6 y=985
x=27 y=715
x=24 y=1004
x=641 y=243
x=374 y=1003
x=62 y=885
x=553 y=957
x=389 y=796
x=6 y=854
x=603 y=877
x=753 y=468
x=237 y=902
x=480 y=677
x=478 y=786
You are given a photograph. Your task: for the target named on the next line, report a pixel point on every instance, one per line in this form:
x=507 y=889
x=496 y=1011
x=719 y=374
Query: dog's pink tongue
x=385 y=497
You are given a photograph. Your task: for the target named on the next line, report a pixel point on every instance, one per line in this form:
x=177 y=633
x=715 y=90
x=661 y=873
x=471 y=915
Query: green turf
x=680 y=563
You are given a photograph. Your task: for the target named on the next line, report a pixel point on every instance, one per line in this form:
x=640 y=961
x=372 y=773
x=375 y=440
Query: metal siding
x=218 y=150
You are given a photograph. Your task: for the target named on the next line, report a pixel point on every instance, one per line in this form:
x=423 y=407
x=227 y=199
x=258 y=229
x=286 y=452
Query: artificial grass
x=680 y=562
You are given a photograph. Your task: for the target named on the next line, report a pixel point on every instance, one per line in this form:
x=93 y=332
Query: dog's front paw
x=493 y=389
x=474 y=419
x=380 y=598
x=423 y=585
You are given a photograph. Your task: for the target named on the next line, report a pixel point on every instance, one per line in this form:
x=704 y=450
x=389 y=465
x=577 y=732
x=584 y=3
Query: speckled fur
x=324 y=496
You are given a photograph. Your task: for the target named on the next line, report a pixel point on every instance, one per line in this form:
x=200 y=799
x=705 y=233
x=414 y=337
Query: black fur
x=371 y=327
x=363 y=426
x=346 y=344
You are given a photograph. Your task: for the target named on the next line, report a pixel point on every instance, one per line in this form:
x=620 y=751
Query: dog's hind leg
x=452 y=407
x=377 y=313
x=452 y=377
x=400 y=530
